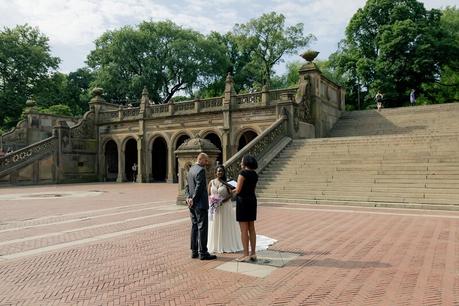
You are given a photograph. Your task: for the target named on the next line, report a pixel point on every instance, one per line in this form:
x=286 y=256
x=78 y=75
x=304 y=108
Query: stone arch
x=110 y=162
x=176 y=141
x=159 y=157
x=216 y=139
x=129 y=148
x=245 y=136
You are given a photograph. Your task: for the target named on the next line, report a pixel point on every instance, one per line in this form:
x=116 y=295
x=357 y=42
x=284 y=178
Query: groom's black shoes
x=194 y=255
x=207 y=257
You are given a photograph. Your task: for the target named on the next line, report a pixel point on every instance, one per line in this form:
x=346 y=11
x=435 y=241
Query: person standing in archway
x=134 y=172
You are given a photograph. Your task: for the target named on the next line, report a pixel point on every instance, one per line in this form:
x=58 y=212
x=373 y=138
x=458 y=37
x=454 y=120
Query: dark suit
x=196 y=188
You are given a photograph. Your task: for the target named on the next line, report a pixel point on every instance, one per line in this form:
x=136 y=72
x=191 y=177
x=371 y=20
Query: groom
x=198 y=203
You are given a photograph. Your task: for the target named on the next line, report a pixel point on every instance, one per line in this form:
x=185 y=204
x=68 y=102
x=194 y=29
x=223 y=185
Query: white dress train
x=224 y=235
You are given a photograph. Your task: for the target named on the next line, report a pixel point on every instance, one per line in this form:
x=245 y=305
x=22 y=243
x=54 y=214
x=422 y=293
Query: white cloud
x=75 y=24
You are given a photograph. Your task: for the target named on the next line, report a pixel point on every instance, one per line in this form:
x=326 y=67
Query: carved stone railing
x=14 y=138
x=211 y=103
x=130 y=113
x=28 y=153
x=159 y=109
x=258 y=146
x=85 y=128
x=109 y=116
x=252 y=98
x=275 y=95
x=183 y=106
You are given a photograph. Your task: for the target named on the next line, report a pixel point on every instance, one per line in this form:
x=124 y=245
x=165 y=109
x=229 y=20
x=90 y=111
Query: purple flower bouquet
x=215 y=201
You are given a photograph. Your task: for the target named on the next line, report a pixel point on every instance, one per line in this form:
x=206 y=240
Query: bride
x=224 y=235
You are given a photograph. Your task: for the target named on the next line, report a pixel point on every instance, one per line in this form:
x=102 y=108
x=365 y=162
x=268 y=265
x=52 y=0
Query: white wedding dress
x=224 y=235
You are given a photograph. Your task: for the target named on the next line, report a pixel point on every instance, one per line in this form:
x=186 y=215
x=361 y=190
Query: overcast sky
x=73 y=25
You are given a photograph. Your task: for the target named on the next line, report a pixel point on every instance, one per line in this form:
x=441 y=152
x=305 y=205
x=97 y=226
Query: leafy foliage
x=392 y=47
x=268 y=39
x=25 y=63
x=160 y=55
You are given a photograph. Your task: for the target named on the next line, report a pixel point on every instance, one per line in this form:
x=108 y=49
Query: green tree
x=25 y=61
x=162 y=56
x=447 y=87
x=269 y=39
x=392 y=46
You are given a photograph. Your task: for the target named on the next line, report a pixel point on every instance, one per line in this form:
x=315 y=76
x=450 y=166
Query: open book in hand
x=231 y=184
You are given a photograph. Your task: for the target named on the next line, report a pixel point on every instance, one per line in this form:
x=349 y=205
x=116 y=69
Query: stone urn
x=310 y=55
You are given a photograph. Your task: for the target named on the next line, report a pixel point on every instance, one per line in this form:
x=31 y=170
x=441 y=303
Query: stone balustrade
x=23 y=155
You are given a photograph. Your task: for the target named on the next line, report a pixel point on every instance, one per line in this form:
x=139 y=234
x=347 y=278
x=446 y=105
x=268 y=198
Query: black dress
x=246 y=201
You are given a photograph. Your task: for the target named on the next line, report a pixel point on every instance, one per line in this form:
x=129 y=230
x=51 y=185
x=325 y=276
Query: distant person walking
x=379 y=99
x=134 y=172
x=413 y=97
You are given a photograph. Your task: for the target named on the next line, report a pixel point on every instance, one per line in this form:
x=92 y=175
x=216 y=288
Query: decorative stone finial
x=310 y=55
x=145 y=91
x=30 y=102
x=229 y=77
x=97 y=92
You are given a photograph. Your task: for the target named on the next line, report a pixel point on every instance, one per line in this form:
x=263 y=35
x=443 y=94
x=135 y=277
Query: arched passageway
x=159 y=160
x=180 y=141
x=245 y=138
x=130 y=157
x=213 y=138
x=111 y=161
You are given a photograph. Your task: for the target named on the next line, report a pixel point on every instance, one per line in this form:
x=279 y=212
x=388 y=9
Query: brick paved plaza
x=128 y=244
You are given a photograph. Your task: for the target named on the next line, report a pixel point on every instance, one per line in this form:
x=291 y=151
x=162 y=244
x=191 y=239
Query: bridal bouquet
x=215 y=201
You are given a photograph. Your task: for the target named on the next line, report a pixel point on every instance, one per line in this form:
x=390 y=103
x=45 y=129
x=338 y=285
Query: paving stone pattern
x=130 y=246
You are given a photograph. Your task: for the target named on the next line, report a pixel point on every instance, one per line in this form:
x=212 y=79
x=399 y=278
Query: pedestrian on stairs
x=413 y=97
x=379 y=98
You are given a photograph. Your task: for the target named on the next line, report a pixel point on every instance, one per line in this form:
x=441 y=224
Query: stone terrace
x=127 y=244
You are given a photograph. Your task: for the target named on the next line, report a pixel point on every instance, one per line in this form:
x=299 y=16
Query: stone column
x=228 y=103
x=140 y=159
x=121 y=175
x=62 y=131
x=187 y=154
x=170 y=164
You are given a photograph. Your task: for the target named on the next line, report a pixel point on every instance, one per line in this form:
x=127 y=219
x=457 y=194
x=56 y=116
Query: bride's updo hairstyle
x=250 y=162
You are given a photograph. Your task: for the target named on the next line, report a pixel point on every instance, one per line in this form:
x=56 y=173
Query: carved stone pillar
x=121 y=175
x=187 y=154
x=140 y=159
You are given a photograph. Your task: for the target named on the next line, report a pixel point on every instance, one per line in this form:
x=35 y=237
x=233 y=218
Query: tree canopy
x=392 y=47
x=269 y=39
x=25 y=63
x=162 y=56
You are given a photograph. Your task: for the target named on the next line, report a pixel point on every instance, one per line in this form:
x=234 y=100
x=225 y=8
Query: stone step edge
x=354 y=203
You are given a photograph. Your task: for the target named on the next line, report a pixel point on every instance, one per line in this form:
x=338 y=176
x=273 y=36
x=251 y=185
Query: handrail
x=24 y=154
x=258 y=146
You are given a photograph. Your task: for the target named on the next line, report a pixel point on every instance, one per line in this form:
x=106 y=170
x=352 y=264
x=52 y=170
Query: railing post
x=265 y=95
x=62 y=132
x=228 y=101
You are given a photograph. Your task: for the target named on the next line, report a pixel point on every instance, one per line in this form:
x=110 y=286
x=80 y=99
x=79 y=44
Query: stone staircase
x=403 y=157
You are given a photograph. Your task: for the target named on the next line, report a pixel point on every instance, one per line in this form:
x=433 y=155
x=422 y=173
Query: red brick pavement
x=349 y=256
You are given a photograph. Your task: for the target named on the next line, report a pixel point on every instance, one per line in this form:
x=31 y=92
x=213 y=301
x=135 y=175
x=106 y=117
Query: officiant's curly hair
x=250 y=162
x=223 y=169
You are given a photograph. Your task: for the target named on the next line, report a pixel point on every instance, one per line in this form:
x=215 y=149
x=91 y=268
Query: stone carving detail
x=108 y=116
x=212 y=102
x=131 y=112
x=254 y=98
x=302 y=111
x=22 y=155
x=84 y=129
x=184 y=106
x=160 y=108
x=257 y=147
